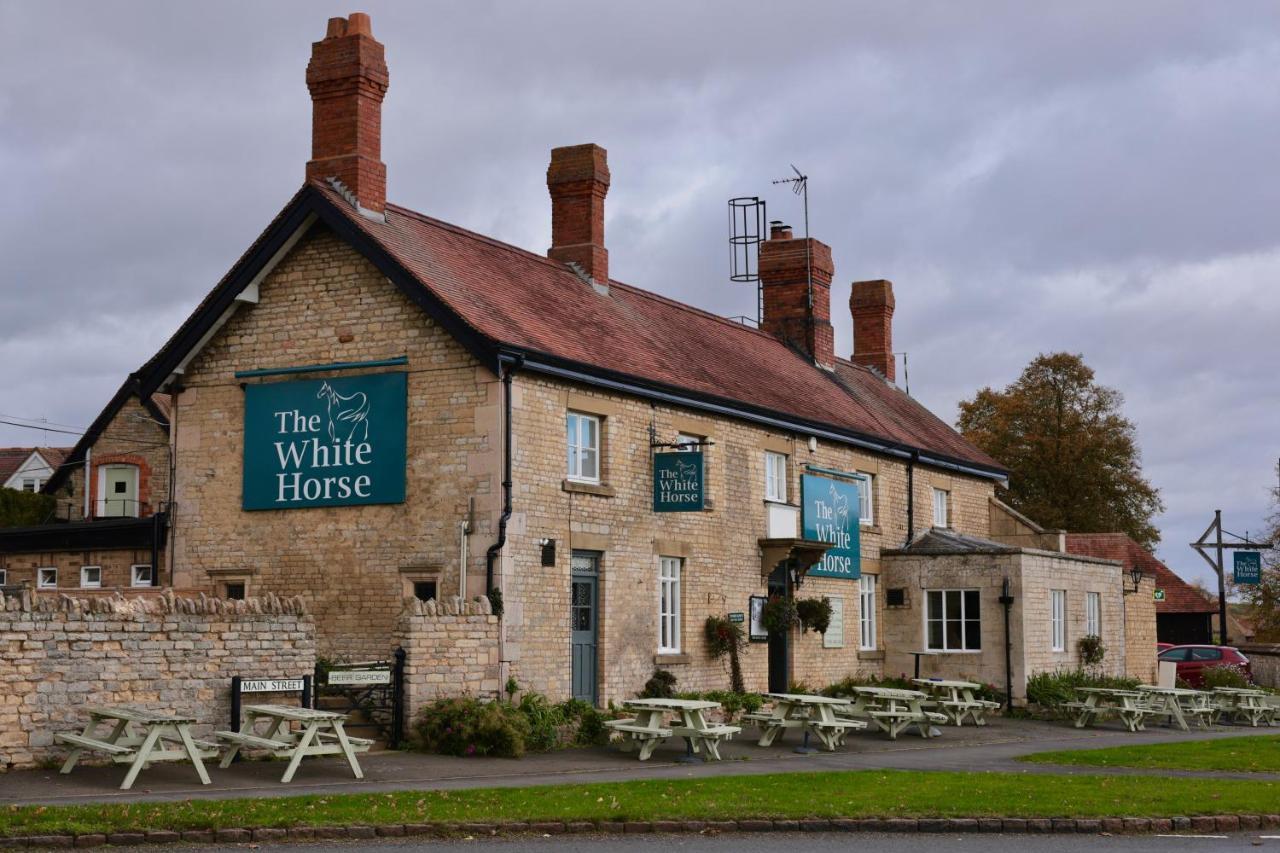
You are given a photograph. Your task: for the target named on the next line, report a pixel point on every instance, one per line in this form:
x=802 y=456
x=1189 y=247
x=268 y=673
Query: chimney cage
x=747 y=223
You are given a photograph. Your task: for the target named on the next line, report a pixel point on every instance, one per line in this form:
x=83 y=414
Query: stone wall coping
x=131 y=606
x=453 y=606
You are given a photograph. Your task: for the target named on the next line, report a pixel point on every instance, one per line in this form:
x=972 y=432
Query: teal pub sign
x=829 y=512
x=678 y=482
x=325 y=442
x=1248 y=567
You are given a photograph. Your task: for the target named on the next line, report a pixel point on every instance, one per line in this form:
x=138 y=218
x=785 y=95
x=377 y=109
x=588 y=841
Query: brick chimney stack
x=872 y=306
x=785 y=281
x=578 y=180
x=347 y=77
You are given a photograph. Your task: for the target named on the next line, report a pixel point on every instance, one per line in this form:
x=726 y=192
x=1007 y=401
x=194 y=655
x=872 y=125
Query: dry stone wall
x=1264 y=660
x=451 y=649
x=59 y=655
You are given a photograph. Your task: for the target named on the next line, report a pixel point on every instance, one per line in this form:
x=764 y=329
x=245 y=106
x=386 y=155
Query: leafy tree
x=1073 y=458
x=19 y=509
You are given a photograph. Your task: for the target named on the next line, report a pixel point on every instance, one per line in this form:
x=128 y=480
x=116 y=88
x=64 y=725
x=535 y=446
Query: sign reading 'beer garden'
x=829 y=513
x=678 y=482
x=325 y=442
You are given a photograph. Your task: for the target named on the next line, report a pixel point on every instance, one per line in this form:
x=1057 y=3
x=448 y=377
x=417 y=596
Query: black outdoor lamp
x=1135 y=574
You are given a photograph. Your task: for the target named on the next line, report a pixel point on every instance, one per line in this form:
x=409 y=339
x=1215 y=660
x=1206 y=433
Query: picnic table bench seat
x=245 y=739
x=138 y=738
x=756 y=717
x=638 y=731
x=92 y=743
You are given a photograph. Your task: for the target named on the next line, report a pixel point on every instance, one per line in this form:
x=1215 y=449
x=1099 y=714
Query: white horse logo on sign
x=840 y=503
x=348 y=416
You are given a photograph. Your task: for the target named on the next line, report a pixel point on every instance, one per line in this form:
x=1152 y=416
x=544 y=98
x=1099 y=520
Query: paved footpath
x=992 y=748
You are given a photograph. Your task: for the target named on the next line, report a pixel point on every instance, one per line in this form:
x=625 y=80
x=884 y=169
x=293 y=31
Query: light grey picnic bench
x=893 y=710
x=650 y=726
x=815 y=714
x=138 y=738
x=319 y=733
x=1099 y=703
x=1242 y=705
x=955 y=700
x=1177 y=704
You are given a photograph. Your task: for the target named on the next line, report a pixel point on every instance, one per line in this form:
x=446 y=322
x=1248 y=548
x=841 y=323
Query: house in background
x=1184 y=614
x=27 y=469
x=112 y=496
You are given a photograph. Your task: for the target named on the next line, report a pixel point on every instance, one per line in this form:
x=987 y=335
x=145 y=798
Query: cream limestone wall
x=325 y=303
x=719 y=547
x=1140 y=630
x=131 y=437
x=1031 y=575
x=451 y=649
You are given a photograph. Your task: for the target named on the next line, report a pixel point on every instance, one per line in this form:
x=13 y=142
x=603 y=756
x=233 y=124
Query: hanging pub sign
x=678 y=483
x=1248 y=567
x=829 y=513
x=325 y=442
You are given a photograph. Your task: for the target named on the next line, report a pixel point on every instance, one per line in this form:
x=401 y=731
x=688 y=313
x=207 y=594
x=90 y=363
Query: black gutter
x=911 y=498
x=506 y=366
x=1007 y=600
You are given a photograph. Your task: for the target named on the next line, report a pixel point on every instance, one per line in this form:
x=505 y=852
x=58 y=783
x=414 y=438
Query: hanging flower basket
x=779 y=614
x=814 y=613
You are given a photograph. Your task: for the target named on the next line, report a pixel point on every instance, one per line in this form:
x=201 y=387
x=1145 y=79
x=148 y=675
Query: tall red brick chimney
x=578 y=180
x=347 y=77
x=871 y=304
x=790 y=312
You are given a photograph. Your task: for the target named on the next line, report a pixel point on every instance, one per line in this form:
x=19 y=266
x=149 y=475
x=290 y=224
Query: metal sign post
x=1201 y=546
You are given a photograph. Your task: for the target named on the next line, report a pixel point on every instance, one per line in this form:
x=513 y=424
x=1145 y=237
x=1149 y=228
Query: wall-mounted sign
x=271 y=685
x=1158 y=595
x=829 y=513
x=359 y=676
x=756 y=631
x=834 y=638
x=325 y=442
x=678 y=481
x=738 y=618
x=1248 y=566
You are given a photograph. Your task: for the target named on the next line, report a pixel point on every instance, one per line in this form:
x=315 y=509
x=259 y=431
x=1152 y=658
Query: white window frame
x=775 y=476
x=85 y=583
x=133 y=575
x=867 y=634
x=40 y=577
x=670 y=570
x=964 y=619
x=579 y=449
x=1058 y=620
x=33 y=482
x=941 y=508
x=866 y=499
x=1093 y=614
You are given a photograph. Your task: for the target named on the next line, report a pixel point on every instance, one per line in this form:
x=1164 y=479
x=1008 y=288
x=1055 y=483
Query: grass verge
x=1240 y=754
x=866 y=793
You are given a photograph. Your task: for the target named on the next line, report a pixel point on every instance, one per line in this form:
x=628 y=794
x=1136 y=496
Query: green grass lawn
x=866 y=793
x=1244 y=754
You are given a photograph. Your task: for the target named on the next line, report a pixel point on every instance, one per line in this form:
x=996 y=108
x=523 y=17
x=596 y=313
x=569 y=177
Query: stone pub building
x=374 y=405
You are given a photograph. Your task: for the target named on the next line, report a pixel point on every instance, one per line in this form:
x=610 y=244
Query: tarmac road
x=806 y=841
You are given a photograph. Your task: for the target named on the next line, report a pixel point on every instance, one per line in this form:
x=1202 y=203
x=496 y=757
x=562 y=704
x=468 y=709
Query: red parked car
x=1192 y=661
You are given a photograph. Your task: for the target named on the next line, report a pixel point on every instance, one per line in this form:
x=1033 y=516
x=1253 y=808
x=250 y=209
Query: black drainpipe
x=1007 y=600
x=506 y=366
x=911 y=496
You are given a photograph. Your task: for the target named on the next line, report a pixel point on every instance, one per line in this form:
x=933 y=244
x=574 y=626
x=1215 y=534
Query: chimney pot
x=578 y=181
x=778 y=230
x=347 y=78
x=872 y=303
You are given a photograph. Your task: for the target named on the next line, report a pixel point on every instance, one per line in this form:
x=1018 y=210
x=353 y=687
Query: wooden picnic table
x=956 y=701
x=650 y=726
x=1244 y=705
x=138 y=738
x=893 y=710
x=816 y=714
x=318 y=733
x=1177 y=703
x=1102 y=702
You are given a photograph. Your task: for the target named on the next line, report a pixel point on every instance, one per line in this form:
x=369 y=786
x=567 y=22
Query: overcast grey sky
x=1097 y=177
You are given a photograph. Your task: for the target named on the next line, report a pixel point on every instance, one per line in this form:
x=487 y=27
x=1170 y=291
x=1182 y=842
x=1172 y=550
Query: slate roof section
x=937 y=541
x=1179 y=596
x=537 y=305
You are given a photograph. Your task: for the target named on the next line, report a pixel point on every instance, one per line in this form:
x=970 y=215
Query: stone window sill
x=600 y=489
x=669 y=660
x=870 y=654
x=872 y=529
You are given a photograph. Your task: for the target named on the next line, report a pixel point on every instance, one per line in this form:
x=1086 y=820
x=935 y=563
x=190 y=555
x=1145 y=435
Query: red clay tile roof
x=11 y=458
x=526 y=301
x=1179 y=596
